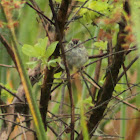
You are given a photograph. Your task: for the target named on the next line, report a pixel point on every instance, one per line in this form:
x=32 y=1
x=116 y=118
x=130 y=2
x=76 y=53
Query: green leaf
x=88 y=101
x=38 y=50
x=50 y=49
x=32 y=64
x=102 y=45
x=58 y=1
x=57 y=77
x=40 y=47
x=52 y=63
x=81 y=0
x=29 y=50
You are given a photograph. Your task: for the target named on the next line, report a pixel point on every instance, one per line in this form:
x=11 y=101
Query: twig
x=116 y=97
x=61 y=105
x=7 y=66
x=122 y=100
x=92 y=10
x=108 y=136
x=124 y=68
x=76 y=13
x=23 y=131
x=15 y=114
x=78 y=45
x=137 y=118
x=63 y=122
x=115 y=53
x=128 y=67
x=87 y=86
x=43 y=19
x=8 y=48
x=18 y=125
x=86 y=28
x=96 y=84
x=40 y=13
x=17 y=103
x=97 y=56
x=18 y=135
x=52 y=130
x=128 y=104
x=14 y=94
x=58 y=137
x=56 y=87
x=119 y=100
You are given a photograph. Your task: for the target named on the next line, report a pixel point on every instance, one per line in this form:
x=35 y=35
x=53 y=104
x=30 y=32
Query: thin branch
x=78 y=45
x=56 y=87
x=18 y=125
x=8 y=48
x=97 y=85
x=23 y=131
x=119 y=100
x=91 y=10
x=15 y=114
x=18 y=135
x=108 y=136
x=122 y=100
x=97 y=56
x=87 y=86
x=115 y=53
x=111 y=108
x=61 y=105
x=128 y=67
x=40 y=13
x=44 y=21
x=124 y=68
x=76 y=13
x=63 y=122
x=96 y=75
x=117 y=119
x=7 y=66
x=16 y=103
x=126 y=103
x=13 y=94
x=52 y=130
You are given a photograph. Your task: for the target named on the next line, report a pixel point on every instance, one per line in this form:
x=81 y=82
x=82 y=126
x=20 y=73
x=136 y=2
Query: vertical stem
x=60 y=20
x=123 y=115
x=135 y=12
x=26 y=83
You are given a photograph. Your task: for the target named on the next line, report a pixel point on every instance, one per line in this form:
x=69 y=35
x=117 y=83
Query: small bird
x=76 y=54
